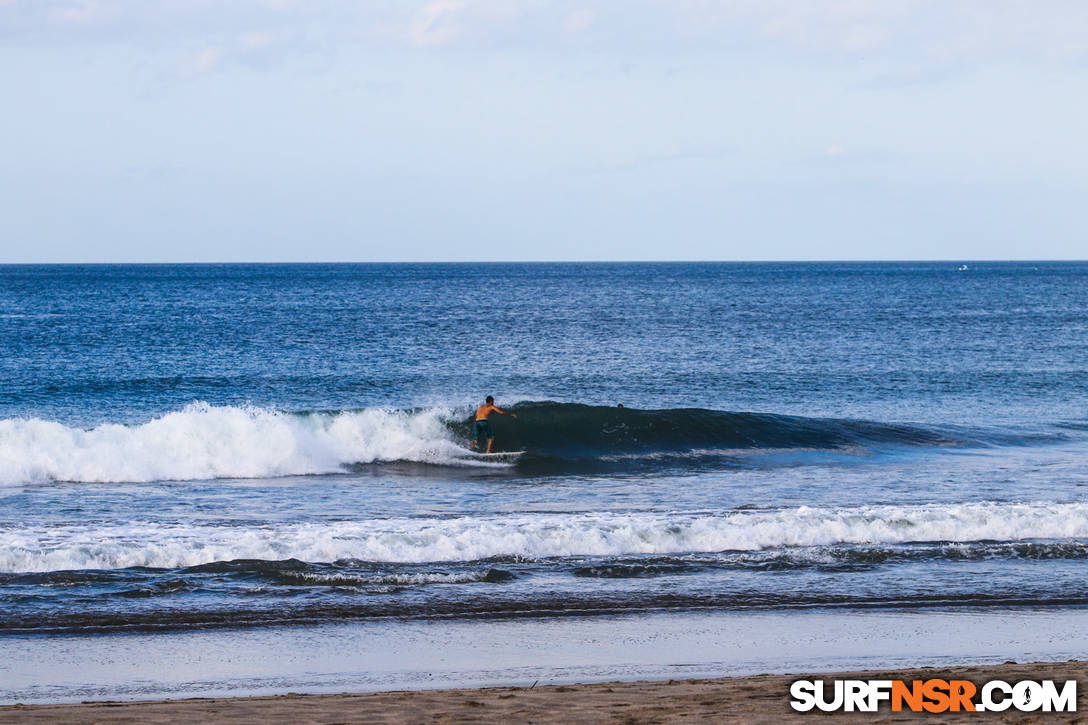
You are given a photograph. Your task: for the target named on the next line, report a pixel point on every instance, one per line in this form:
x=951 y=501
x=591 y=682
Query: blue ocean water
x=242 y=445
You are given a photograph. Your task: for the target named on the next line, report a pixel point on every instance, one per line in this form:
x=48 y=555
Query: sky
x=494 y=130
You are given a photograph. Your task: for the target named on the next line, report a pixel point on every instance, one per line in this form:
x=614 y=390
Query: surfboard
x=499 y=455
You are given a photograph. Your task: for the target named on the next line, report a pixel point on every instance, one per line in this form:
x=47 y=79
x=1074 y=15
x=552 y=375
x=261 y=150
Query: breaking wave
x=203 y=441
x=529 y=536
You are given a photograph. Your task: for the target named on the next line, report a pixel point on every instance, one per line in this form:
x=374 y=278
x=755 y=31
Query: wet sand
x=756 y=699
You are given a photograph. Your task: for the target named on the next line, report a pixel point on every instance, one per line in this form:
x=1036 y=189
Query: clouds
x=921 y=30
x=898 y=42
x=80 y=12
x=201 y=62
x=579 y=21
x=258 y=39
x=524 y=122
x=895 y=43
x=437 y=23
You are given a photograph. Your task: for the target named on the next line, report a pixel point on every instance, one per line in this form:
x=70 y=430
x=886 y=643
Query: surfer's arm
x=500 y=411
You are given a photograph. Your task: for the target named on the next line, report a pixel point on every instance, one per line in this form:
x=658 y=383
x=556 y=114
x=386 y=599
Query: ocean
x=247 y=448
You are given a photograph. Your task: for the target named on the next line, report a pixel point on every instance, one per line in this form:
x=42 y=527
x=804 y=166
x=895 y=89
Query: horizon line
x=961 y=260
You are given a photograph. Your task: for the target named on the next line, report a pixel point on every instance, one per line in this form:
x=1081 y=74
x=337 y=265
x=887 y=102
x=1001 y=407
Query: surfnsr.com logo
x=933 y=695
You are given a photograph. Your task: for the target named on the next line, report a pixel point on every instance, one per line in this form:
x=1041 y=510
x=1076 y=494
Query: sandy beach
x=756 y=699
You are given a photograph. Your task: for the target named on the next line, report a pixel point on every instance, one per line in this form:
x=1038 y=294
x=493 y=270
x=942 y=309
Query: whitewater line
x=471 y=538
x=203 y=441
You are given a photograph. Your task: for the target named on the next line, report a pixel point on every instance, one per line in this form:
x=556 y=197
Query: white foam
x=353 y=580
x=204 y=441
x=470 y=538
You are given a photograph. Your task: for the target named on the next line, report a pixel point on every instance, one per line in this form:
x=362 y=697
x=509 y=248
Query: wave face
x=528 y=536
x=204 y=441
x=570 y=430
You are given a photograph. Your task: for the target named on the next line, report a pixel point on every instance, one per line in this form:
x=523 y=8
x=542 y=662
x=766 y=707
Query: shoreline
x=760 y=698
x=432 y=655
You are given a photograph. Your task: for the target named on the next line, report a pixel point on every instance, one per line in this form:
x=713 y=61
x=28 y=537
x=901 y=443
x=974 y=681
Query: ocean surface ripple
x=192 y=446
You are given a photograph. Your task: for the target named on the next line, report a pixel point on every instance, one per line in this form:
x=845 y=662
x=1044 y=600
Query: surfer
x=482 y=429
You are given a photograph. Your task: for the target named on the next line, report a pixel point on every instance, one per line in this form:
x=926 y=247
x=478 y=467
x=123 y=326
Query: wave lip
x=530 y=536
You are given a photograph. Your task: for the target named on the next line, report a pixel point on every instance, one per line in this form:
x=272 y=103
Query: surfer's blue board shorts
x=483 y=430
